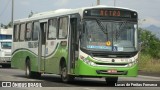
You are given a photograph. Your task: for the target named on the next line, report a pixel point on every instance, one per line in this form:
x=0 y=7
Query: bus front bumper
x=84 y=69
x=5 y=60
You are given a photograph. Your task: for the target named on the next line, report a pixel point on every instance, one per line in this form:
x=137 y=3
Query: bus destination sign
x=110 y=13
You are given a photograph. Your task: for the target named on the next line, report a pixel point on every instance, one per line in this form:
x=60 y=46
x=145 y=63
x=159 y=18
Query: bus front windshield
x=120 y=35
x=6 y=45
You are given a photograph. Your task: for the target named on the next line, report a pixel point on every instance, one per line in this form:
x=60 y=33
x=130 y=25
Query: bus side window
x=28 y=31
x=16 y=33
x=52 y=30
x=63 y=28
x=36 y=28
x=22 y=31
x=43 y=26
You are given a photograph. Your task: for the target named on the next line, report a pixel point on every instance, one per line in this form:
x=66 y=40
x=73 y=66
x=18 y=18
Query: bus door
x=51 y=46
x=43 y=26
x=73 y=42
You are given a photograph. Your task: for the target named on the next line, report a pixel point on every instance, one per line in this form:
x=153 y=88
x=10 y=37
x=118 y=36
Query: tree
x=9 y=24
x=150 y=43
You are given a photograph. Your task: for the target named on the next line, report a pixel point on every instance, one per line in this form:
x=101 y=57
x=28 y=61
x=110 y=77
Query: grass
x=148 y=64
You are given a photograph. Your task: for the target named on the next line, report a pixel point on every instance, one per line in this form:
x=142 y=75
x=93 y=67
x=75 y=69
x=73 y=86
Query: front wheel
x=111 y=80
x=64 y=76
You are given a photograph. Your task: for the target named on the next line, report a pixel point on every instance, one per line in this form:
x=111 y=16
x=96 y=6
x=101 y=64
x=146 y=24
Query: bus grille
x=5 y=59
x=105 y=72
x=7 y=54
x=114 y=64
x=104 y=55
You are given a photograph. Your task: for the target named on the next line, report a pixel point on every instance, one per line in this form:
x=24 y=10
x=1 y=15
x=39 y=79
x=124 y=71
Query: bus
x=98 y=41
x=5 y=47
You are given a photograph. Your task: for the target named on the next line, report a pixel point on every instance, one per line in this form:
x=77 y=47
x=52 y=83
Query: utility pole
x=12 y=15
x=98 y=2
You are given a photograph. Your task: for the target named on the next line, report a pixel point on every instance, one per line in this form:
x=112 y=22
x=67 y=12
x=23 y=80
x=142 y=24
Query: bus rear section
x=5 y=53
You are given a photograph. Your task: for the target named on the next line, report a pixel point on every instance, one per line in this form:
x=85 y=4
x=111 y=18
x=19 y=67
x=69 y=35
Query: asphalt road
x=8 y=74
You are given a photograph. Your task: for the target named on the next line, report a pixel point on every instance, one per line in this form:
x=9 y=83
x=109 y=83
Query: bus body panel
x=20 y=56
x=53 y=61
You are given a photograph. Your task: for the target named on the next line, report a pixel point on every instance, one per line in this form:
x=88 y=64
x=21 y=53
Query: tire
x=64 y=76
x=111 y=80
x=27 y=69
x=29 y=73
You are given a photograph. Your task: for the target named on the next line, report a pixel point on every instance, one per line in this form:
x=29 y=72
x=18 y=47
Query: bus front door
x=43 y=26
x=73 y=44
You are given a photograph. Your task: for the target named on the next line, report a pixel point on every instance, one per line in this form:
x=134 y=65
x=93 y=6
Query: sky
x=148 y=10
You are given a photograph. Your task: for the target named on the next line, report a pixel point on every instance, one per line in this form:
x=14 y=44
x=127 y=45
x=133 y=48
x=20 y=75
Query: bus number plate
x=112 y=71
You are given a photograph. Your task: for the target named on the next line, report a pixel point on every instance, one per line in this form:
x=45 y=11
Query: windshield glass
x=120 y=35
x=6 y=45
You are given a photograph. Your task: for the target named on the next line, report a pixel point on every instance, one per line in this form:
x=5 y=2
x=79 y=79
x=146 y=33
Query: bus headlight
x=89 y=62
x=133 y=62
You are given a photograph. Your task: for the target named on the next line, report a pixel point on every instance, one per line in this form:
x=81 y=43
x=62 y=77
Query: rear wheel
x=29 y=73
x=111 y=80
x=64 y=76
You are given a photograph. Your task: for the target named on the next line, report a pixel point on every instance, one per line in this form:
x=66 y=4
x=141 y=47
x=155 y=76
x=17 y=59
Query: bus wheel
x=28 y=69
x=111 y=80
x=64 y=76
x=29 y=73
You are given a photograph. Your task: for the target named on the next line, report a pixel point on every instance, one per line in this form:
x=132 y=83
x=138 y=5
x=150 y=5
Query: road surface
x=8 y=74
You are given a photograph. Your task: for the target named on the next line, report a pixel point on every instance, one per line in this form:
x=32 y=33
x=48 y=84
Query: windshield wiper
x=102 y=26
x=123 y=25
x=105 y=31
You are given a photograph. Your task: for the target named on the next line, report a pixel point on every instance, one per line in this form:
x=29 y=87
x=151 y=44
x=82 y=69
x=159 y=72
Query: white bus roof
x=63 y=12
x=8 y=31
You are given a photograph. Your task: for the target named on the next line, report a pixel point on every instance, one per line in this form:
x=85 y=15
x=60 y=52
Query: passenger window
x=22 y=31
x=28 y=31
x=63 y=27
x=16 y=33
x=52 y=31
x=36 y=28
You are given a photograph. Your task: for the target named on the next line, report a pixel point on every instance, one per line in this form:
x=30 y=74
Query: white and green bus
x=97 y=41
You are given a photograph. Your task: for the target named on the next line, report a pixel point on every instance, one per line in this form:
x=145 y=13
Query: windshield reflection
x=120 y=34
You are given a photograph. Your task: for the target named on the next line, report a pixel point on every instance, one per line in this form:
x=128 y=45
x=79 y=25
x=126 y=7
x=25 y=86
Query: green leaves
x=150 y=44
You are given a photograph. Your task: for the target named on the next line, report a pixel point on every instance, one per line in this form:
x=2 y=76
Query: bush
x=147 y=63
x=150 y=43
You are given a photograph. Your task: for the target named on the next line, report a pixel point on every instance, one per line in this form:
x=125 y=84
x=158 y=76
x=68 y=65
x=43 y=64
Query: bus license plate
x=112 y=71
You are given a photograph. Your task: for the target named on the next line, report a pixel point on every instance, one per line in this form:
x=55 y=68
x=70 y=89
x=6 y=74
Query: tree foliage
x=150 y=44
x=9 y=25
